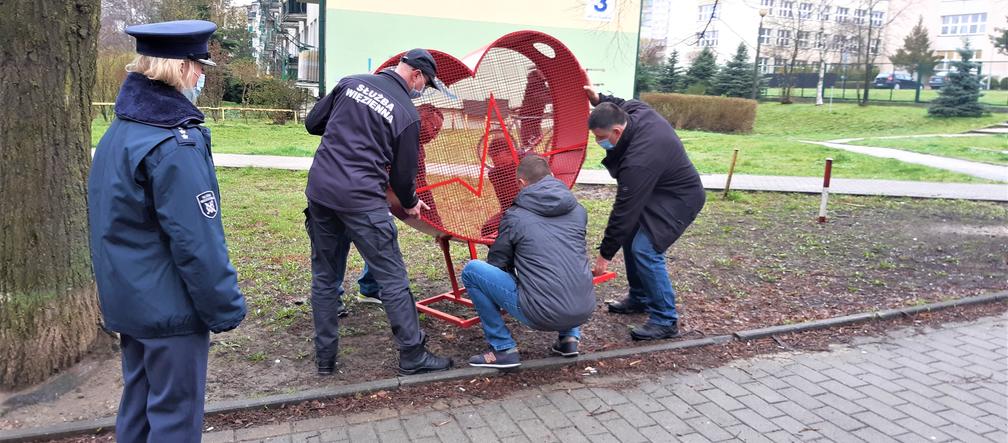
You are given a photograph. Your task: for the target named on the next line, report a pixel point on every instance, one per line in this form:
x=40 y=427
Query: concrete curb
x=753 y=334
x=274 y=401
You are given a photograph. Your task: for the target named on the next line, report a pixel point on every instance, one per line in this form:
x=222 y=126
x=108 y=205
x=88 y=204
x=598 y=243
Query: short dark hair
x=606 y=115
x=533 y=168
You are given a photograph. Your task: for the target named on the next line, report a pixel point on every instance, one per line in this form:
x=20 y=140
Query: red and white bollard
x=825 y=190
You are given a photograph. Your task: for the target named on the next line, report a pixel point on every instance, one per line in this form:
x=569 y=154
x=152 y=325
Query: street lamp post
x=759 y=40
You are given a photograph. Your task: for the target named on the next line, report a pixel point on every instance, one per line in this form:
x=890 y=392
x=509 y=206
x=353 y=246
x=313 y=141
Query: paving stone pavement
x=947 y=384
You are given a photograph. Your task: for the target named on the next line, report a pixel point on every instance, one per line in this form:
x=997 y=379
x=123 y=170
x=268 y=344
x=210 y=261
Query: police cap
x=180 y=39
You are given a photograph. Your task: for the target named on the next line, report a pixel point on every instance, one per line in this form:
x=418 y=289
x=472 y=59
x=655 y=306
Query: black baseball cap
x=422 y=59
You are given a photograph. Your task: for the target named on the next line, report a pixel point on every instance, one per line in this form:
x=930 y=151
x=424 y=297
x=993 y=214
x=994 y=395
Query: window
x=768 y=5
x=964 y=24
x=875 y=45
x=821 y=39
x=876 y=18
x=783 y=37
x=762 y=62
x=779 y=62
x=839 y=42
x=803 y=39
x=706 y=12
x=786 y=8
x=824 y=13
x=805 y=10
x=764 y=35
x=841 y=14
x=708 y=39
x=859 y=16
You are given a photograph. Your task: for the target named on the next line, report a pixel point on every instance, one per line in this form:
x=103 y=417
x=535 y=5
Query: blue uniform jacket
x=157 y=242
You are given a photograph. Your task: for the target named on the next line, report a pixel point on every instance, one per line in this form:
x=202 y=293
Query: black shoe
x=326 y=366
x=627 y=306
x=651 y=331
x=342 y=311
x=421 y=361
x=565 y=347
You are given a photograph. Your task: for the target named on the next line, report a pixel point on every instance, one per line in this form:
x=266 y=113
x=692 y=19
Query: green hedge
x=704 y=113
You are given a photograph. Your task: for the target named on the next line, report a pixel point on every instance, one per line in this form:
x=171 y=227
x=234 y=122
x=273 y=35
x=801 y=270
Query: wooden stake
x=825 y=190
x=731 y=170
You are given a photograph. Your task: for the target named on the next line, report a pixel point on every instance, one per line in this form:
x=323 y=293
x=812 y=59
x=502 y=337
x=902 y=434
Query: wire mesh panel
x=521 y=94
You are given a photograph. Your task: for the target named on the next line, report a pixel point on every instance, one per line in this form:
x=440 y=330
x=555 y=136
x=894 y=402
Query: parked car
x=938 y=80
x=895 y=80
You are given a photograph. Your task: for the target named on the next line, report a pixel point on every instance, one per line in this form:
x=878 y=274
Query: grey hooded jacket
x=541 y=241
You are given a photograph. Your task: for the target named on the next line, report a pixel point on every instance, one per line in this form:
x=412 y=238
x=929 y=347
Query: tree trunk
x=819 y=85
x=48 y=305
x=868 y=60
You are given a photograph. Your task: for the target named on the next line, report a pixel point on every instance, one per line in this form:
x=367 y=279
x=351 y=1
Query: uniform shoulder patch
x=183 y=136
x=207 y=203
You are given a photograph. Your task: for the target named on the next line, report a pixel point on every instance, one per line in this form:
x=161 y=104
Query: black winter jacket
x=370 y=140
x=658 y=187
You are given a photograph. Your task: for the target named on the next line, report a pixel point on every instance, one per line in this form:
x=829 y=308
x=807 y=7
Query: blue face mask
x=193 y=93
x=606 y=144
x=417 y=94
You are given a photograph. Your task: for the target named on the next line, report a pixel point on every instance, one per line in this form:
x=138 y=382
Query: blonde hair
x=171 y=71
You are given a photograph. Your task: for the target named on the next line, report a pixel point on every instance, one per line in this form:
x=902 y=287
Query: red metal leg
x=455 y=296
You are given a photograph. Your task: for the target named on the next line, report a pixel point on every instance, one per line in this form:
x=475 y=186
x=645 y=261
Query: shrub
x=278 y=94
x=995 y=83
x=1004 y=83
x=716 y=114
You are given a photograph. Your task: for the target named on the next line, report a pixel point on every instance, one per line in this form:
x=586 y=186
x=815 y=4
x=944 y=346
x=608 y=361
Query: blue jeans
x=491 y=289
x=649 y=280
x=367 y=283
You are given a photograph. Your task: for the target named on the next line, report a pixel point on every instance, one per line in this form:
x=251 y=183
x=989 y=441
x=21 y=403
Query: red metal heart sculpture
x=521 y=94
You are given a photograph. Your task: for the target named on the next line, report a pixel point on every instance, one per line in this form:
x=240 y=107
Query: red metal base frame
x=455 y=295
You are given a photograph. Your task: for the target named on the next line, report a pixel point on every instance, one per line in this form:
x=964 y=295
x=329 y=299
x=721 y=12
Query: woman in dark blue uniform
x=162 y=268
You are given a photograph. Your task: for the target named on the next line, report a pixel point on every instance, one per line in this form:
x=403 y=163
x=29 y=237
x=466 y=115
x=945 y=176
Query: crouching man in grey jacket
x=537 y=269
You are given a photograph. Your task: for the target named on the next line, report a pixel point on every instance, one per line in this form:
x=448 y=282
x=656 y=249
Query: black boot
x=651 y=331
x=326 y=366
x=627 y=306
x=418 y=360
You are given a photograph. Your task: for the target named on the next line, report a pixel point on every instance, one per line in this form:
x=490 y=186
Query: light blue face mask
x=606 y=144
x=417 y=94
x=193 y=93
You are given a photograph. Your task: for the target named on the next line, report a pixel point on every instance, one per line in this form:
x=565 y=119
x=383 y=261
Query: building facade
x=834 y=31
x=361 y=34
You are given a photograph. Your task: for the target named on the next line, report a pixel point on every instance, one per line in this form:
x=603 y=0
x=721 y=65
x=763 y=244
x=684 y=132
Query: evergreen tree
x=671 y=78
x=916 y=54
x=735 y=79
x=960 y=95
x=644 y=79
x=1000 y=39
x=701 y=72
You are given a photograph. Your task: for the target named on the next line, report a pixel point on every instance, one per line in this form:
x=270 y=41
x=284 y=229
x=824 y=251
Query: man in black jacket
x=659 y=194
x=370 y=141
x=537 y=269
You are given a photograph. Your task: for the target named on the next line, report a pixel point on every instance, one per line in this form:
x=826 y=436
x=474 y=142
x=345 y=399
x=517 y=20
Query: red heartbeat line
x=478 y=190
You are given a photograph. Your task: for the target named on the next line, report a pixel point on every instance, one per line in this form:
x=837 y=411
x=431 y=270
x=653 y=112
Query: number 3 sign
x=600 y=10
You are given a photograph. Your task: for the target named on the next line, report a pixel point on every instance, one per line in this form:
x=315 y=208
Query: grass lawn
x=981 y=148
x=774 y=147
x=995 y=97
